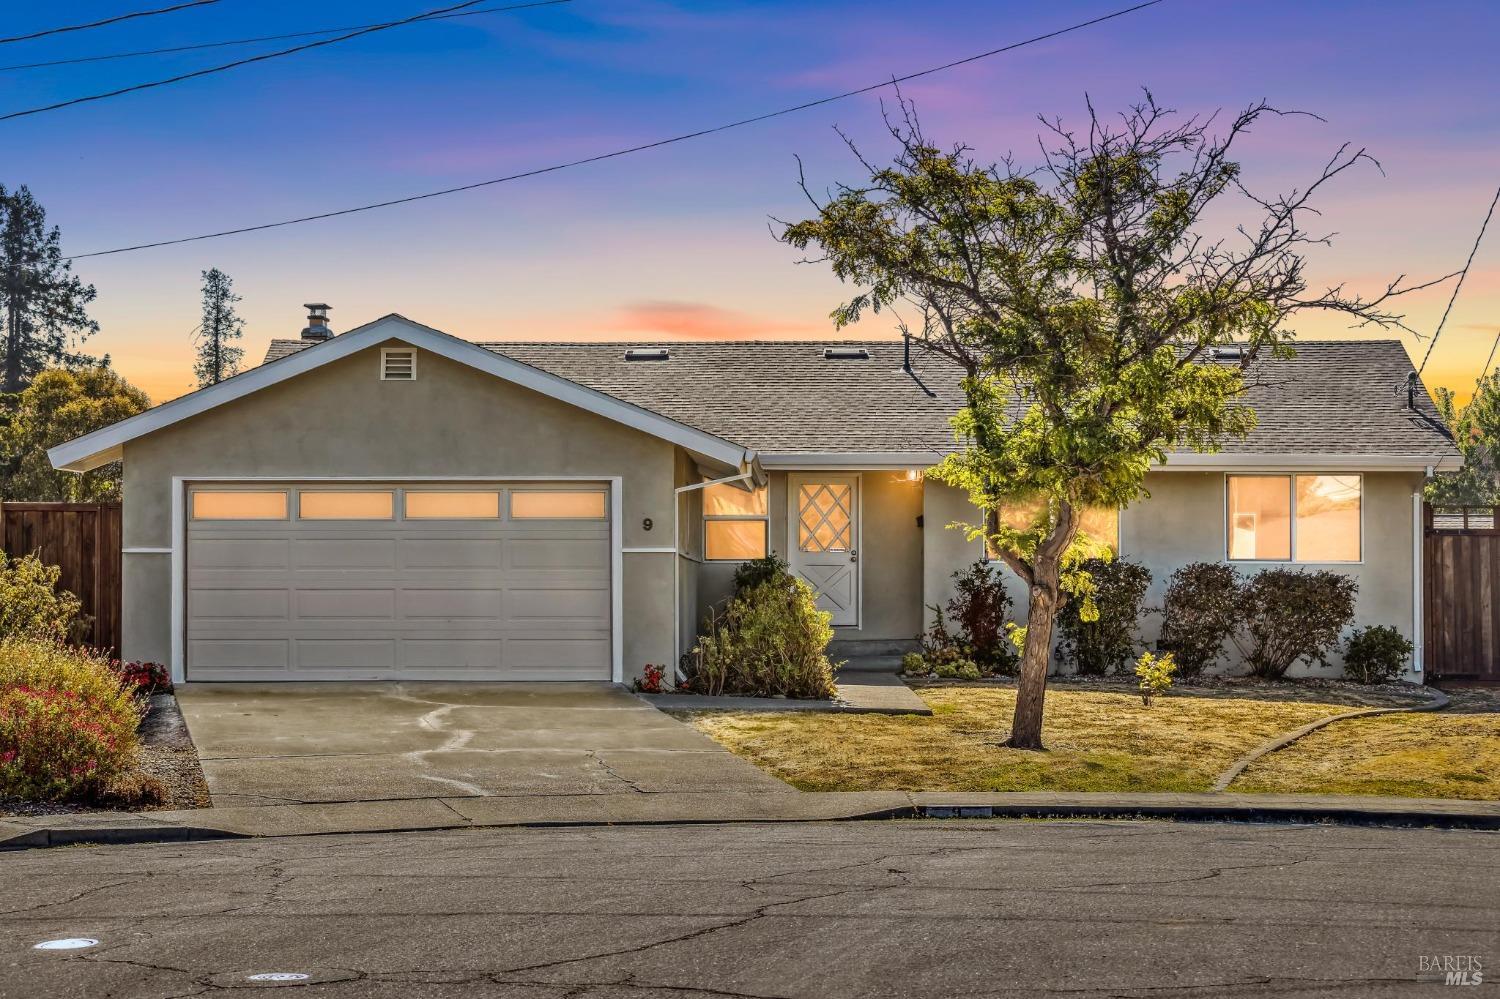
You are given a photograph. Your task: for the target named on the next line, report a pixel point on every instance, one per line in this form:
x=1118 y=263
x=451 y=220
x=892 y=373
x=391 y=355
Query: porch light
x=913 y=475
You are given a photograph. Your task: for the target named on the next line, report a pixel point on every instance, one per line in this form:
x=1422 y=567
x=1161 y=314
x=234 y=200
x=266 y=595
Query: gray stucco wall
x=453 y=421
x=1183 y=521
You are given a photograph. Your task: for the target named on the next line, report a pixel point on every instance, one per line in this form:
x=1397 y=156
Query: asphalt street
x=893 y=908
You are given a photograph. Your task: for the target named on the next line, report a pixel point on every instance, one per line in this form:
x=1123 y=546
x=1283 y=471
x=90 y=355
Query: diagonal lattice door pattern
x=826 y=517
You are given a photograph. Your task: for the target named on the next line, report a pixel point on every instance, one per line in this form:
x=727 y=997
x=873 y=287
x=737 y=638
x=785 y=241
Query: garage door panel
x=240 y=553
x=262 y=653
x=341 y=604
x=554 y=553
x=452 y=603
x=452 y=553
x=363 y=655
x=324 y=599
x=340 y=554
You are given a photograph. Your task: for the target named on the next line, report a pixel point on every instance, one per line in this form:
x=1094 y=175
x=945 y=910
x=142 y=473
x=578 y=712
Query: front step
x=862 y=648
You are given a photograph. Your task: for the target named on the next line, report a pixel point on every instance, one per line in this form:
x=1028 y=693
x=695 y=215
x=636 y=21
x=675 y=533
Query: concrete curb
x=1438 y=702
x=704 y=808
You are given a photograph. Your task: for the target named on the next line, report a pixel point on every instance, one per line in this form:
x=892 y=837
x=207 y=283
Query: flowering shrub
x=651 y=678
x=67 y=726
x=145 y=679
x=30 y=602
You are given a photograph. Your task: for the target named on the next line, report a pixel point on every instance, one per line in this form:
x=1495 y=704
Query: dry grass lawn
x=1441 y=755
x=1098 y=740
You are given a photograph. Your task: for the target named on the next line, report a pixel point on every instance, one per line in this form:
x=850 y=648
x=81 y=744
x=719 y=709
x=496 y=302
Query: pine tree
x=218 y=354
x=43 y=305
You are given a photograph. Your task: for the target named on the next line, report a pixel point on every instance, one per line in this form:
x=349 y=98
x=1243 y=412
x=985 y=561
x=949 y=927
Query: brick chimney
x=317 y=322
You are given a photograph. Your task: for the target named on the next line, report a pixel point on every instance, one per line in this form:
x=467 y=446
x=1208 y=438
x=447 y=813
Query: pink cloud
x=698 y=321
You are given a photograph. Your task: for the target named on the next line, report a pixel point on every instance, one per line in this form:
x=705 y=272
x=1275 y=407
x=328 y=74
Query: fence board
x=1461 y=593
x=83 y=540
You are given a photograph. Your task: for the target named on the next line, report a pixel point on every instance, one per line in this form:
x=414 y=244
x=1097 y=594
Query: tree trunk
x=1031 y=691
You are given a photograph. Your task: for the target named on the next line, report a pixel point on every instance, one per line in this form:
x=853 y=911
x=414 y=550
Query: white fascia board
x=103 y=446
x=874 y=460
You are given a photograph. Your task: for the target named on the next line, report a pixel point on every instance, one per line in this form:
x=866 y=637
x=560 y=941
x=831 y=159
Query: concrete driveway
x=323 y=742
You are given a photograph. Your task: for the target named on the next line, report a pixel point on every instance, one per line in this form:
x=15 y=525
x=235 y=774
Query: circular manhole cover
x=67 y=943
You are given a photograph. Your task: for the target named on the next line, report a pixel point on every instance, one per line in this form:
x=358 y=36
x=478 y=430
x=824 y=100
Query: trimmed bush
x=1107 y=643
x=67 y=726
x=1199 y=614
x=1376 y=655
x=973 y=627
x=30 y=602
x=769 y=640
x=1292 y=615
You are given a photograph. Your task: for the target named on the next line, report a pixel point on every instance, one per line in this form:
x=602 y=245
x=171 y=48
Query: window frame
x=1291 y=478
x=764 y=519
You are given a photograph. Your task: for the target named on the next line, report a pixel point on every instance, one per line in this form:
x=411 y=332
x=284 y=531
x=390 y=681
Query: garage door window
x=331 y=505
x=239 y=505
x=452 y=505
x=556 y=504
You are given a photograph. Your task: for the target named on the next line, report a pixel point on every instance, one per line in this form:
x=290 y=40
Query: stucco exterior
x=454 y=422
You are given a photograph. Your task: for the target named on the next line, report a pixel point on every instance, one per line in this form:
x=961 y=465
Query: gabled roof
x=103 y=446
x=1337 y=403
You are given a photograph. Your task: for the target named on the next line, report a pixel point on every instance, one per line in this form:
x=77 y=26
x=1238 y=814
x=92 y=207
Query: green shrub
x=67 y=726
x=1376 y=655
x=1199 y=614
x=30 y=602
x=1154 y=675
x=978 y=610
x=761 y=570
x=770 y=639
x=1105 y=644
x=1294 y=614
x=914 y=664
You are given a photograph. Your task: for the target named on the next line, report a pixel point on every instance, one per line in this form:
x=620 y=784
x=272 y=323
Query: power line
x=108 y=20
x=262 y=38
x=1461 y=275
x=238 y=62
x=627 y=150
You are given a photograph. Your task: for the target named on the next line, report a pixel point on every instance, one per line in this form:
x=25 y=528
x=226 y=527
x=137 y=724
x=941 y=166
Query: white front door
x=823 y=511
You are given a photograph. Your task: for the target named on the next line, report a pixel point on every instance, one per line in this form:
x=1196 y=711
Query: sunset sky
x=675 y=242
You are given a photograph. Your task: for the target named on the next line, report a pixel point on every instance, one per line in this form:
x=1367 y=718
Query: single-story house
x=395 y=502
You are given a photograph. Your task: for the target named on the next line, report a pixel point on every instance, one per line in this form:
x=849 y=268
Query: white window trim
x=388 y=351
x=1291 y=477
x=764 y=519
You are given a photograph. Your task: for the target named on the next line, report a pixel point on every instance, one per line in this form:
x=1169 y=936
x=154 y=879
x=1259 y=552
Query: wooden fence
x=83 y=539
x=1461 y=592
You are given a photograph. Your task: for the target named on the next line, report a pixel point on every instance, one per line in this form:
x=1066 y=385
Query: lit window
x=450 y=505
x=346 y=505
x=536 y=504
x=1102 y=523
x=239 y=505
x=1328 y=512
x=1260 y=517
x=735 y=523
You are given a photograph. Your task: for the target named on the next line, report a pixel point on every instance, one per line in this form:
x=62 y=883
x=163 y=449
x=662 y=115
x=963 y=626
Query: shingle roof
x=783 y=397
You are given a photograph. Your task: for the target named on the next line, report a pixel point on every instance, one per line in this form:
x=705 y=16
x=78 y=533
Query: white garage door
x=360 y=581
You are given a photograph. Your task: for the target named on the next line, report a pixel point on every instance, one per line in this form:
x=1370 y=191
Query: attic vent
x=647 y=354
x=1229 y=352
x=845 y=354
x=398 y=365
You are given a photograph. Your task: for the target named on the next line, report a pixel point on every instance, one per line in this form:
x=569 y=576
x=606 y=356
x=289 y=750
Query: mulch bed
x=167 y=754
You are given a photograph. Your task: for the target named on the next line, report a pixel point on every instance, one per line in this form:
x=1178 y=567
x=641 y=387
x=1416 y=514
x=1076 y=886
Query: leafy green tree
x=218 y=351
x=1476 y=430
x=58 y=406
x=43 y=305
x=1084 y=301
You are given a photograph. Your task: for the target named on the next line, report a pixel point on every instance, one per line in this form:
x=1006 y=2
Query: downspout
x=752 y=473
x=1418 y=608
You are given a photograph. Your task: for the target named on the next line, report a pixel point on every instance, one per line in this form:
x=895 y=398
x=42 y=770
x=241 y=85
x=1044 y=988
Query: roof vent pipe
x=906 y=351
x=317 y=322
x=1411 y=390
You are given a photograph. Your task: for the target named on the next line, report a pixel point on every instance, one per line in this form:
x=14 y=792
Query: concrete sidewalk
x=670 y=808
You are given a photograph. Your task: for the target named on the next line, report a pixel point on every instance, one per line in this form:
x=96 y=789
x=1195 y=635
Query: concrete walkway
x=676 y=808
x=300 y=743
